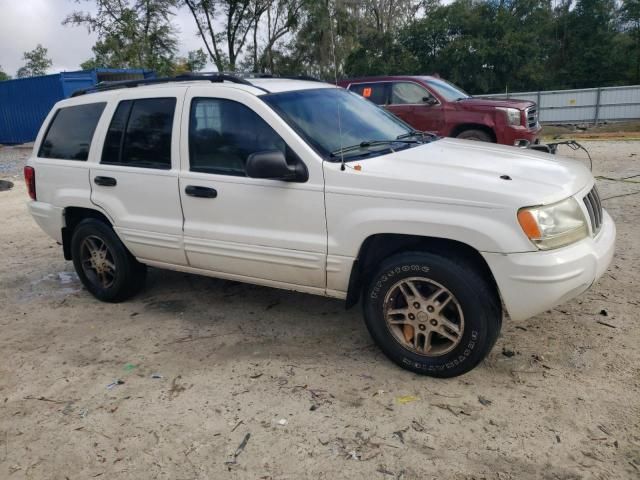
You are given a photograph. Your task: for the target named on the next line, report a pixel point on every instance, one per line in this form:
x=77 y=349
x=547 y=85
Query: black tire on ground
x=477 y=135
x=471 y=294
x=118 y=275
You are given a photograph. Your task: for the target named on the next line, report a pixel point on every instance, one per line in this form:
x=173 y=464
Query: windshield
x=448 y=91
x=314 y=114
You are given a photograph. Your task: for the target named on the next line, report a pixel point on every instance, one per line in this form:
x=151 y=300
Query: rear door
x=376 y=92
x=262 y=230
x=136 y=180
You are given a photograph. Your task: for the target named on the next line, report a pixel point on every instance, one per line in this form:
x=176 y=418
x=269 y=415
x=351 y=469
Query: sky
x=25 y=23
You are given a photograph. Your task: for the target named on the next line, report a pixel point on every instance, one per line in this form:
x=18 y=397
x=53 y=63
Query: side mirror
x=430 y=100
x=273 y=164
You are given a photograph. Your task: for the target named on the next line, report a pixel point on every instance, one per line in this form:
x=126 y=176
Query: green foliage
x=629 y=45
x=236 y=18
x=132 y=34
x=195 y=61
x=3 y=75
x=380 y=54
x=485 y=46
x=507 y=45
x=36 y=63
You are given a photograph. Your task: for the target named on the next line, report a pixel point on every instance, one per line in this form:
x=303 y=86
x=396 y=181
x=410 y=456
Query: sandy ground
x=299 y=377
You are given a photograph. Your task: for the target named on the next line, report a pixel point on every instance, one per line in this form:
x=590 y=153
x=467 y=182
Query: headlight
x=513 y=115
x=554 y=226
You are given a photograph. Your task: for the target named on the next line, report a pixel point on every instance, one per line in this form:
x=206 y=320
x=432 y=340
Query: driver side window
x=405 y=93
x=223 y=133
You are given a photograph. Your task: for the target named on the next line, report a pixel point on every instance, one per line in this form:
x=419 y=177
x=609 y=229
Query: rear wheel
x=103 y=264
x=431 y=314
x=477 y=135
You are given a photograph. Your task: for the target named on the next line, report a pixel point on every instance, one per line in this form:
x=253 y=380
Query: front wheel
x=103 y=264
x=477 y=135
x=431 y=314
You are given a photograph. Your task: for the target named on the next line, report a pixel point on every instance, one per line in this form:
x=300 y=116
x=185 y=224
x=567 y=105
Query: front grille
x=532 y=116
x=594 y=207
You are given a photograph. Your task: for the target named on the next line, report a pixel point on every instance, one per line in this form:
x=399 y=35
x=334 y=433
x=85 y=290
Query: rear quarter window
x=70 y=132
x=376 y=92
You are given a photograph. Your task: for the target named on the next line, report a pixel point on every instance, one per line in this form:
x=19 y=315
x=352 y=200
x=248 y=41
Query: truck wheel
x=477 y=135
x=431 y=314
x=104 y=265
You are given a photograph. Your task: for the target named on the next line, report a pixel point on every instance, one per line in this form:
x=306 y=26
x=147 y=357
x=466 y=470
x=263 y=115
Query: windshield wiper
x=418 y=133
x=369 y=143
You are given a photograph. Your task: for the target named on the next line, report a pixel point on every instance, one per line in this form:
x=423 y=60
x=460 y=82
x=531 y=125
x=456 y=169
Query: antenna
x=335 y=75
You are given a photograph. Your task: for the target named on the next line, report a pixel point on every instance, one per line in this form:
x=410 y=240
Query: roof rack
x=214 y=78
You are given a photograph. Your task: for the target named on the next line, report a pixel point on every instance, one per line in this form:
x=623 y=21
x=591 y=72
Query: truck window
x=140 y=134
x=376 y=92
x=70 y=132
x=406 y=93
x=223 y=133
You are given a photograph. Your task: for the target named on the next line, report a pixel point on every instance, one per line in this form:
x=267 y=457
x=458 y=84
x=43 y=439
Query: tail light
x=30 y=180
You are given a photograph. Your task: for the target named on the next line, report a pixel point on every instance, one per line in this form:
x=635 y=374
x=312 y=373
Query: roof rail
x=214 y=78
x=259 y=75
x=286 y=77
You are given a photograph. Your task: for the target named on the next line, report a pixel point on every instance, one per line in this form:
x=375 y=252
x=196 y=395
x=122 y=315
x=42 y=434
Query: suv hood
x=465 y=172
x=474 y=102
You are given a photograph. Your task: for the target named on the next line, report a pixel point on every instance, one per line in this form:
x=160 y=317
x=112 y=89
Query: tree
x=484 y=47
x=132 y=34
x=380 y=54
x=275 y=20
x=3 y=75
x=195 y=61
x=37 y=63
x=236 y=17
x=630 y=13
x=325 y=35
x=585 y=56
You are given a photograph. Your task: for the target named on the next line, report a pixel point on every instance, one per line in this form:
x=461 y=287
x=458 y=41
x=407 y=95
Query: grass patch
x=629 y=130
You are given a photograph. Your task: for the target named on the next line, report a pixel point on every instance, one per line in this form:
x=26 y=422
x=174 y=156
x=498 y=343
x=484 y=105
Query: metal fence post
x=595 y=120
x=539 y=101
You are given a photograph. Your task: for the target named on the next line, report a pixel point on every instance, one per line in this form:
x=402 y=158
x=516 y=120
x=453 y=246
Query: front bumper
x=519 y=136
x=534 y=282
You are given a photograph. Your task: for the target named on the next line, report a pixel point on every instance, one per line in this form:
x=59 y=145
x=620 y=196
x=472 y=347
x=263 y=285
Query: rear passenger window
x=376 y=92
x=140 y=134
x=70 y=132
x=223 y=133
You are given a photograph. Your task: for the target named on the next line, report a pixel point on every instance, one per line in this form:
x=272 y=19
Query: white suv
x=304 y=186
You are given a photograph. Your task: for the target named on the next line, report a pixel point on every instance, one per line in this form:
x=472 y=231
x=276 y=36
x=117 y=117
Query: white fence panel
x=590 y=105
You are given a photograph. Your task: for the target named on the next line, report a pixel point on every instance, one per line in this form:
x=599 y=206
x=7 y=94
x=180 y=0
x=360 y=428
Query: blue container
x=25 y=102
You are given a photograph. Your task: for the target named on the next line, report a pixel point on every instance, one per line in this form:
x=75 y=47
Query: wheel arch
x=72 y=217
x=377 y=247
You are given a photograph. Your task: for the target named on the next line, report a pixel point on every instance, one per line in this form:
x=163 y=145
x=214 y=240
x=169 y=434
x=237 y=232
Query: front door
x=417 y=106
x=260 y=230
x=136 y=179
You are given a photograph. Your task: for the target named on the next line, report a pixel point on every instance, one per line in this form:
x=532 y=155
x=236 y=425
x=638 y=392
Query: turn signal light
x=529 y=225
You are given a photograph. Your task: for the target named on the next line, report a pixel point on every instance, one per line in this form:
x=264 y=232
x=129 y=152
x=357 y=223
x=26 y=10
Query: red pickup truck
x=429 y=103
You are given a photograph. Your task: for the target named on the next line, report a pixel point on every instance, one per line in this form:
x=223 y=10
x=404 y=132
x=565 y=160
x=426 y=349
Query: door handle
x=202 y=192
x=105 y=181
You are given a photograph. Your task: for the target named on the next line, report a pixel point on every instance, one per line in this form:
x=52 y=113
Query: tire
x=477 y=135
x=111 y=273
x=469 y=303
